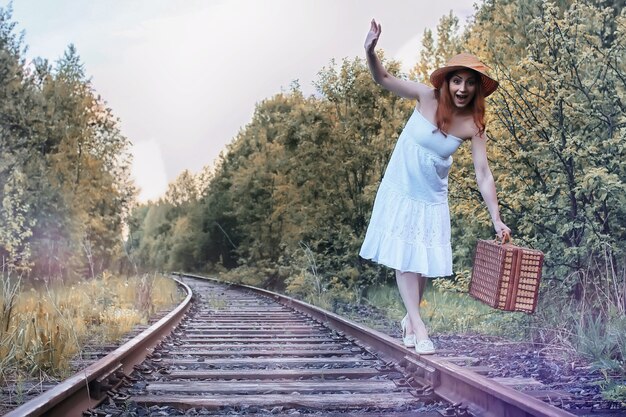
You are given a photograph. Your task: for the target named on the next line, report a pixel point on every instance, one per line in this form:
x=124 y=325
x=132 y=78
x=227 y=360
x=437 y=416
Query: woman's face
x=462 y=87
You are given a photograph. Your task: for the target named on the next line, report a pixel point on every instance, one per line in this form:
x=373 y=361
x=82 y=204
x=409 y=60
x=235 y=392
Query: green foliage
x=435 y=54
x=185 y=190
x=17 y=228
x=64 y=166
x=305 y=282
x=441 y=309
x=248 y=275
x=614 y=392
x=387 y=298
x=172 y=233
x=602 y=340
x=557 y=149
x=460 y=283
x=557 y=134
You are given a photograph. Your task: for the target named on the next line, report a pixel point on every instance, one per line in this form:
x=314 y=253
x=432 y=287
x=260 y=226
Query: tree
x=87 y=164
x=433 y=54
x=20 y=165
x=185 y=189
x=64 y=166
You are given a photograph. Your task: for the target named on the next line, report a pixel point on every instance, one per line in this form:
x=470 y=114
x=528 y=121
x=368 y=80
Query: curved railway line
x=231 y=349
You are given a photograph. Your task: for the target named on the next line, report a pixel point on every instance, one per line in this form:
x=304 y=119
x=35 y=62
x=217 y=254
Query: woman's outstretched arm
x=486 y=184
x=403 y=88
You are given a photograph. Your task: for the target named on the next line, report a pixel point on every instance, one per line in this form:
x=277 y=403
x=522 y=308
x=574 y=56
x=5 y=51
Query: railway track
x=242 y=350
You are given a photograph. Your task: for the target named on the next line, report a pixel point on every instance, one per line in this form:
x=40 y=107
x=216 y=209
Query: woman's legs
x=411 y=287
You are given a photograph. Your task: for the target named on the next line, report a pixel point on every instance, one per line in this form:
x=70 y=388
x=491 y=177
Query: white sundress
x=409 y=229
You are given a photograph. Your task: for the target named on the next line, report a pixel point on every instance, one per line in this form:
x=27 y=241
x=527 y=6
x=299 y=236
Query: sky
x=184 y=76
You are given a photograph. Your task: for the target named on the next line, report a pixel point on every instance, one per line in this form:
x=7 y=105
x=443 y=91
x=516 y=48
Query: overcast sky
x=184 y=76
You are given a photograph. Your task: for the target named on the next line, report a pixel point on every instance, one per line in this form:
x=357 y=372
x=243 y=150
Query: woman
x=410 y=225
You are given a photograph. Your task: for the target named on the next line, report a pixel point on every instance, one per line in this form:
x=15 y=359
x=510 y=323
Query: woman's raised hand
x=372 y=36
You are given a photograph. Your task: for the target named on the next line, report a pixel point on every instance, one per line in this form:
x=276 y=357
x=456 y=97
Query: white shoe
x=425 y=347
x=407 y=340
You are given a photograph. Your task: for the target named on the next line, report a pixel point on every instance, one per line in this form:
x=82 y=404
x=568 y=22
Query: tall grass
x=592 y=324
x=446 y=311
x=44 y=328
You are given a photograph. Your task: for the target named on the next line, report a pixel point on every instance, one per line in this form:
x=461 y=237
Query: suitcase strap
x=511 y=298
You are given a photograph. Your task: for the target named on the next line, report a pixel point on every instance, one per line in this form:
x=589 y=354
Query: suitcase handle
x=506 y=238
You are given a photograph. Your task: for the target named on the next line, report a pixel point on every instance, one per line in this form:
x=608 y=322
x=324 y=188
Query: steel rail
x=88 y=387
x=483 y=397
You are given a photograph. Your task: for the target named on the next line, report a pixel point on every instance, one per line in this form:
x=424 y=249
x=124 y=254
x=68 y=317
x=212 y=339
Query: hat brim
x=489 y=85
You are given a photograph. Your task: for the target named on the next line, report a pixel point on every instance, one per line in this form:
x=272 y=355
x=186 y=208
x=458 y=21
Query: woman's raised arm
x=403 y=88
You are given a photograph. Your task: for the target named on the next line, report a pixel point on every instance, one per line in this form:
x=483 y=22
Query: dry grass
x=43 y=329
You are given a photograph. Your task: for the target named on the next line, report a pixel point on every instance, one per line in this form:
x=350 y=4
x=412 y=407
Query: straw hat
x=464 y=61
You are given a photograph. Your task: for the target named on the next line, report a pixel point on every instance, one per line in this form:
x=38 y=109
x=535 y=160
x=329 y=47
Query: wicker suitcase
x=505 y=276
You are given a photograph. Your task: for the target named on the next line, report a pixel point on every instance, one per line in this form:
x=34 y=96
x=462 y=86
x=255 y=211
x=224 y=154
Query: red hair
x=443 y=117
